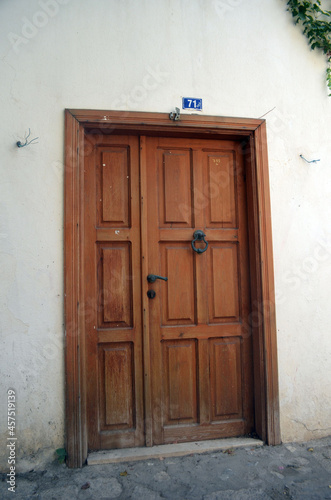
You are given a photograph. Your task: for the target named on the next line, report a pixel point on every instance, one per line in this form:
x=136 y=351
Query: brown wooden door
x=177 y=367
x=201 y=362
x=113 y=372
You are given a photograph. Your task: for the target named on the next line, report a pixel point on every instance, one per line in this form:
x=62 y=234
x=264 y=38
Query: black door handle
x=151 y=278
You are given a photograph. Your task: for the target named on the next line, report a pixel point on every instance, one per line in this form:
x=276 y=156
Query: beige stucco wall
x=244 y=58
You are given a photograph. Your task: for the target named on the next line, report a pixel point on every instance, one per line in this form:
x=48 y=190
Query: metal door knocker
x=199 y=236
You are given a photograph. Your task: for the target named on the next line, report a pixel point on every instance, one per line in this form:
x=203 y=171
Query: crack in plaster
x=11 y=90
x=307 y=428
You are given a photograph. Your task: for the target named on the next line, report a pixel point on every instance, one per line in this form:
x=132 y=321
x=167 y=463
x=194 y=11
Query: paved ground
x=291 y=471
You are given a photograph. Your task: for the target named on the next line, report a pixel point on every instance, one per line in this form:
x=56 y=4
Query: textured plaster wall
x=244 y=59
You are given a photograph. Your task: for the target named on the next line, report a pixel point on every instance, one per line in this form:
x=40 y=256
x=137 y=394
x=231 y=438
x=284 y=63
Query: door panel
x=191 y=378
x=180 y=382
x=113 y=186
x=225 y=378
x=219 y=188
x=223 y=284
x=115 y=287
x=178 y=297
x=116 y=388
x=175 y=198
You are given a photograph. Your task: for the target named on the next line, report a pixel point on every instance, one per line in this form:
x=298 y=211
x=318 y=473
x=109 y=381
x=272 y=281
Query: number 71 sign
x=192 y=103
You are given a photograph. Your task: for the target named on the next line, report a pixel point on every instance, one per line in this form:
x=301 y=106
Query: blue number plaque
x=192 y=103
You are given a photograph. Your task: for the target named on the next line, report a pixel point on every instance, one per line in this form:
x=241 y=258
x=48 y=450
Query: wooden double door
x=166 y=360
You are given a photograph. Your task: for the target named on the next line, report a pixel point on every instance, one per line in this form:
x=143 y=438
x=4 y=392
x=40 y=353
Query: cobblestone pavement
x=290 y=471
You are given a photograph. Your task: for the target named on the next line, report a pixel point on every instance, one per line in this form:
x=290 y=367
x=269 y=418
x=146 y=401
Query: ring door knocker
x=199 y=236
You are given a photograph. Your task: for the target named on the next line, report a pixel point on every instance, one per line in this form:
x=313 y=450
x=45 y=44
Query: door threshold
x=169 y=450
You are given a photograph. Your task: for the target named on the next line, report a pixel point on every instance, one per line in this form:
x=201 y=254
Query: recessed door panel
x=175 y=187
x=225 y=378
x=220 y=179
x=223 y=291
x=115 y=285
x=178 y=304
x=117 y=390
x=180 y=382
x=114 y=187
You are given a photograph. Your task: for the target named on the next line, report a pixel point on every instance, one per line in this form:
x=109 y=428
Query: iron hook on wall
x=311 y=161
x=175 y=115
x=20 y=144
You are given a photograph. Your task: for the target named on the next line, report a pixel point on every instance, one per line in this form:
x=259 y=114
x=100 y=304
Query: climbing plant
x=316 y=24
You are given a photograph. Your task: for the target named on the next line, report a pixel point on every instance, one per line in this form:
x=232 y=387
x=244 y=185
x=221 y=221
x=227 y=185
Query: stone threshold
x=169 y=450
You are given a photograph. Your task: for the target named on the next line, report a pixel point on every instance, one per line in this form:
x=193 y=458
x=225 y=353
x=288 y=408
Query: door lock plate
x=151 y=294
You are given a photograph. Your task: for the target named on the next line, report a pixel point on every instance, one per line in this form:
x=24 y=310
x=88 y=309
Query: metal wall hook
x=175 y=115
x=311 y=161
x=20 y=144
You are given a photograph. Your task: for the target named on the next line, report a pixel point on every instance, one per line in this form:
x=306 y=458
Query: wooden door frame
x=252 y=134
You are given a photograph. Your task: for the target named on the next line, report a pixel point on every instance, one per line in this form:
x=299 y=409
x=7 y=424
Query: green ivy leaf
x=318 y=31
